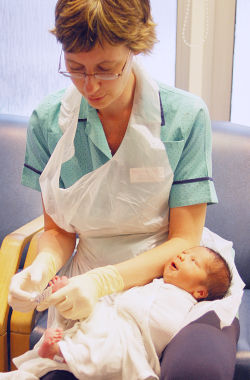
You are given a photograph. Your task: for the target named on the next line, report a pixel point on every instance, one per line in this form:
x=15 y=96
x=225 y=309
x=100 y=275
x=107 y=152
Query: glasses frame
x=99 y=76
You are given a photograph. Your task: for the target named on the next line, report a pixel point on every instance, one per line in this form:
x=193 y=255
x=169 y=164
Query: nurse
x=124 y=163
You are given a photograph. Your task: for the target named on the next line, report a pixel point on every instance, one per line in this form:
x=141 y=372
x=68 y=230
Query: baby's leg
x=50 y=348
x=55 y=284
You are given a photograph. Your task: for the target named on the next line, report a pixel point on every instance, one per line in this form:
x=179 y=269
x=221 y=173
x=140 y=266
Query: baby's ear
x=200 y=293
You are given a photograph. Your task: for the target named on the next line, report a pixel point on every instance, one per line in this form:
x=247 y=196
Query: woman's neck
x=115 y=119
x=122 y=106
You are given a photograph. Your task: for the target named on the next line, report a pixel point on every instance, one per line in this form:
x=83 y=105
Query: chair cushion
x=18 y=204
x=230 y=218
x=40 y=327
x=242 y=370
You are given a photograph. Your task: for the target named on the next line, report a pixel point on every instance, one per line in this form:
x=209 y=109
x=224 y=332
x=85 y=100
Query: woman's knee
x=201 y=351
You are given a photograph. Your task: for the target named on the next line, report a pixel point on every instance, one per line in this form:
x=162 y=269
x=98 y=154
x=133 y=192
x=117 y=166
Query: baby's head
x=200 y=271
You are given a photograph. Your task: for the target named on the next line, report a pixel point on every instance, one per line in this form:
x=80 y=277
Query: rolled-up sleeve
x=42 y=124
x=193 y=182
x=37 y=153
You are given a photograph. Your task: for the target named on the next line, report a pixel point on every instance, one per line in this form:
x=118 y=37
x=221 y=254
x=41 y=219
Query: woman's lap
x=200 y=350
x=58 y=375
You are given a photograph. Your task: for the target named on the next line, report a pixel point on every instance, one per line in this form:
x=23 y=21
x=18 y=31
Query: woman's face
x=102 y=94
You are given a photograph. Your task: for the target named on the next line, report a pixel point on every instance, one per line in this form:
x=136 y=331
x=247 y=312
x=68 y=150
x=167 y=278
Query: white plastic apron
x=120 y=209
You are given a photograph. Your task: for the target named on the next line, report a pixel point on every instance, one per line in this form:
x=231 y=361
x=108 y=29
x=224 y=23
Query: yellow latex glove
x=77 y=299
x=31 y=281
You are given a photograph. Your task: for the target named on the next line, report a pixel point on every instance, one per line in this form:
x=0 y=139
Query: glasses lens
x=71 y=75
x=106 y=76
x=100 y=76
x=83 y=76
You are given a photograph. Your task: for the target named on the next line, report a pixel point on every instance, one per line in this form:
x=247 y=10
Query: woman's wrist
x=108 y=280
x=59 y=244
x=46 y=262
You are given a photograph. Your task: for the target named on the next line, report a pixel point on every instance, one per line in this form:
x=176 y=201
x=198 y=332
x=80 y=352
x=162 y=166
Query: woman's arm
x=77 y=299
x=185 y=230
x=56 y=241
x=55 y=247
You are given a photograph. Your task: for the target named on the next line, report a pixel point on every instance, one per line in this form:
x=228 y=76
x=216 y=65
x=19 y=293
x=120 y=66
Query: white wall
x=29 y=53
x=240 y=107
x=161 y=63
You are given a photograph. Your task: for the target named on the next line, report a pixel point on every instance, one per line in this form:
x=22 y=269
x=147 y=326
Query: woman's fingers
x=19 y=294
x=64 y=306
x=24 y=305
x=58 y=299
x=18 y=298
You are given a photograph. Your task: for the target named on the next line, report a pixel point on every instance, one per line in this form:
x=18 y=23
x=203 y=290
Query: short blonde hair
x=81 y=24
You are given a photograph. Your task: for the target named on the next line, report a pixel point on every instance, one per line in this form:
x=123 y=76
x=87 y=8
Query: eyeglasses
x=100 y=76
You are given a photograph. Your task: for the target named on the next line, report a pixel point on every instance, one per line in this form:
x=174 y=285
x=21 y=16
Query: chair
x=21 y=324
x=18 y=205
x=230 y=219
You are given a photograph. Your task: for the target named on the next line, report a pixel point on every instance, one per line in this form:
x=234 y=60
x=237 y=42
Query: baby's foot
x=55 y=284
x=49 y=348
x=58 y=283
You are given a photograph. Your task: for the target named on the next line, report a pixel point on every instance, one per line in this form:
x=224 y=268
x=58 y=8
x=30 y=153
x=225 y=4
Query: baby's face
x=188 y=270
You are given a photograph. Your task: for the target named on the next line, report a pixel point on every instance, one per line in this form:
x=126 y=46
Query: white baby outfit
x=122 y=340
x=127 y=332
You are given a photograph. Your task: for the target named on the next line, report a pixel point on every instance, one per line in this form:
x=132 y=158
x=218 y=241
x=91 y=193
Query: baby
x=127 y=332
x=200 y=271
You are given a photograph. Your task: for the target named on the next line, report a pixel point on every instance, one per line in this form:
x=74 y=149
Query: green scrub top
x=185 y=132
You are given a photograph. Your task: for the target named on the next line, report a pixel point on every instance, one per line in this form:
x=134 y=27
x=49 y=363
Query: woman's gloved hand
x=30 y=282
x=77 y=299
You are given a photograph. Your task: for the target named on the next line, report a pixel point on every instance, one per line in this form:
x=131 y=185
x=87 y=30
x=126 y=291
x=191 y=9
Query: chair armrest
x=10 y=256
x=21 y=324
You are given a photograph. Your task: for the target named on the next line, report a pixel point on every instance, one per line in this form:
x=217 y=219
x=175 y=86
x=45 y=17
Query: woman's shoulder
x=50 y=104
x=45 y=116
x=183 y=112
x=173 y=97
